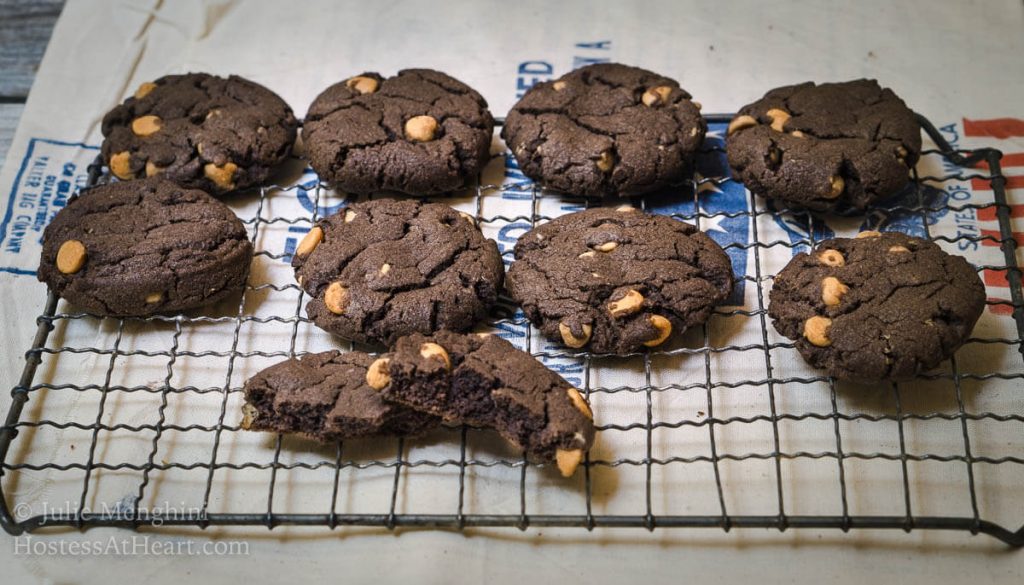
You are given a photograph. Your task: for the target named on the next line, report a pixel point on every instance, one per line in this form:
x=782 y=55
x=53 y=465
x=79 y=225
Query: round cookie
x=825 y=147
x=143 y=247
x=385 y=268
x=200 y=131
x=605 y=129
x=617 y=280
x=420 y=132
x=876 y=307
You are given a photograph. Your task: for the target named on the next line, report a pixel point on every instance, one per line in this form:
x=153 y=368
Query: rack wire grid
x=725 y=429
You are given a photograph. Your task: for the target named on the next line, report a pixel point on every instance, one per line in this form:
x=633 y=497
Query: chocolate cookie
x=617 y=280
x=382 y=269
x=200 y=131
x=824 y=147
x=605 y=129
x=482 y=380
x=420 y=132
x=143 y=247
x=325 y=396
x=876 y=307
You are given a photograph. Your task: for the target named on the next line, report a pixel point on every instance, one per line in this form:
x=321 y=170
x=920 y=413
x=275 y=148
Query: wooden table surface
x=25 y=28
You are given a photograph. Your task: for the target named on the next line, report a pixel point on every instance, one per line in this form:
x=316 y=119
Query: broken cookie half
x=482 y=380
x=325 y=396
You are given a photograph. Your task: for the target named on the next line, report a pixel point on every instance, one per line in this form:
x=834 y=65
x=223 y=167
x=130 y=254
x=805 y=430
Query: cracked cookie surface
x=381 y=269
x=876 y=307
x=825 y=147
x=200 y=131
x=420 y=132
x=483 y=380
x=605 y=130
x=143 y=247
x=326 y=396
x=617 y=280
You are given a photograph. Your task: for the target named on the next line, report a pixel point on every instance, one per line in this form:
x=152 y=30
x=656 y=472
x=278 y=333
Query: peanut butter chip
x=606 y=161
x=868 y=234
x=898 y=250
x=816 y=330
x=627 y=305
x=656 y=95
x=120 y=165
x=153 y=298
x=571 y=340
x=797 y=134
x=71 y=257
x=739 y=123
x=664 y=328
x=832 y=291
x=606 y=247
x=223 y=176
x=568 y=460
x=144 y=89
x=832 y=258
x=579 y=402
x=779 y=118
x=146 y=125
x=377 y=375
x=336 y=298
x=434 y=351
x=309 y=243
x=362 y=84
x=421 y=128
x=152 y=169
x=836 y=186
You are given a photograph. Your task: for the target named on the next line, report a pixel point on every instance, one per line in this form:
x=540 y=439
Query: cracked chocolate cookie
x=825 y=147
x=876 y=307
x=483 y=380
x=605 y=129
x=142 y=247
x=200 y=131
x=420 y=132
x=385 y=268
x=617 y=280
x=327 y=397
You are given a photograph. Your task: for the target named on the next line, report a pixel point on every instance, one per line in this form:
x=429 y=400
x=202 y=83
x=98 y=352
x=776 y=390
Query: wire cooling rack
x=725 y=429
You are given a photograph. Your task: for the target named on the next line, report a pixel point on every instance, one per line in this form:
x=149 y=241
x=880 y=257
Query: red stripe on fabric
x=1000 y=309
x=997 y=278
x=1015 y=182
x=994 y=128
x=989 y=213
